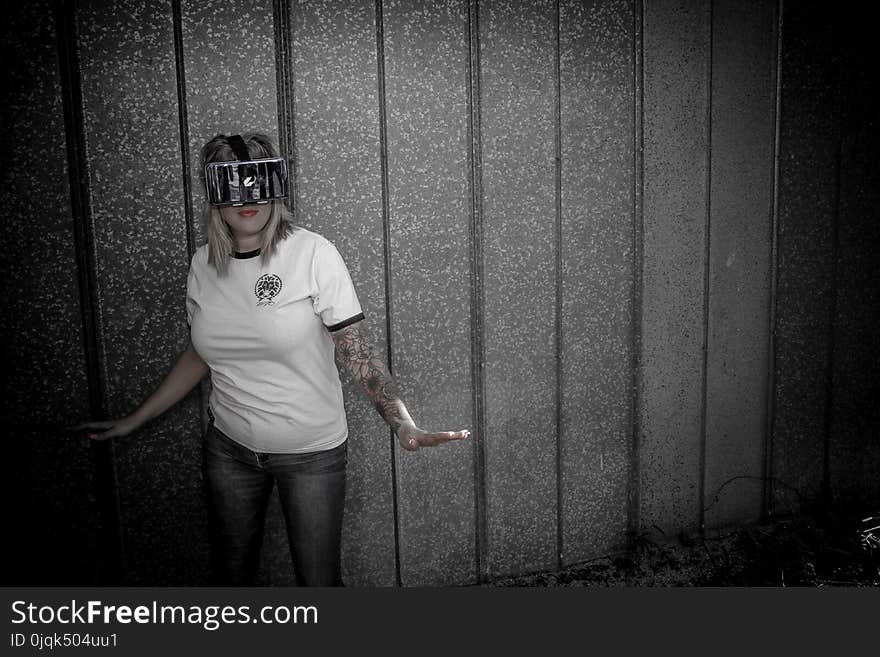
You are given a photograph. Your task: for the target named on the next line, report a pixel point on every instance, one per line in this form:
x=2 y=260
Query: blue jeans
x=311 y=488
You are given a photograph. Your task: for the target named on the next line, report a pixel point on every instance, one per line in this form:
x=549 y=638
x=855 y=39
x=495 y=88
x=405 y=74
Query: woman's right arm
x=183 y=377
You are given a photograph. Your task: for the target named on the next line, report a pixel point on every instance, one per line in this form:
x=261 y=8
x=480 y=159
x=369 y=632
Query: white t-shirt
x=263 y=331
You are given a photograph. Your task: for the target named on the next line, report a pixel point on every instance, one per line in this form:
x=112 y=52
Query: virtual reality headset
x=246 y=181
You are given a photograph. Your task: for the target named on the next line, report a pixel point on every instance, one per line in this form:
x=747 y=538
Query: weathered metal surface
x=741 y=206
x=853 y=443
x=808 y=143
x=518 y=109
x=596 y=52
x=676 y=156
x=694 y=235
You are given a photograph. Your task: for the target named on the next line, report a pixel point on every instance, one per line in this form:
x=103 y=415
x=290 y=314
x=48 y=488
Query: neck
x=249 y=243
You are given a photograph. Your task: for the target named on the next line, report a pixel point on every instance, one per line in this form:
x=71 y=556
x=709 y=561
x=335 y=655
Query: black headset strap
x=238 y=146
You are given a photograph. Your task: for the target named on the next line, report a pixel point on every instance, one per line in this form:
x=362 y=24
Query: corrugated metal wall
x=627 y=243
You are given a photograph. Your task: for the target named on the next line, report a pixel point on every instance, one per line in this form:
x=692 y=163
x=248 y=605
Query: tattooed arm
x=355 y=352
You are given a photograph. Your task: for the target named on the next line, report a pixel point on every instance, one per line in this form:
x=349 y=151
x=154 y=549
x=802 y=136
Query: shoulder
x=303 y=242
x=198 y=271
x=200 y=258
x=304 y=237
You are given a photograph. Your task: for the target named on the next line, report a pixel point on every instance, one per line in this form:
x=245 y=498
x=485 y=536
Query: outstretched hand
x=108 y=428
x=411 y=437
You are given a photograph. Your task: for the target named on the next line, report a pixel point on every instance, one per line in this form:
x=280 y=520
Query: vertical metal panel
x=43 y=356
x=596 y=44
x=340 y=196
x=743 y=101
x=853 y=445
x=638 y=257
x=676 y=100
x=426 y=68
x=517 y=46
x=557 y=266
x=807 y=161
x=231 y=87
x=111 y=551
x=130 y=116
x=478 y=348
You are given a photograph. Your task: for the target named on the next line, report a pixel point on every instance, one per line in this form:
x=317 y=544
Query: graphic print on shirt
x=267 y=288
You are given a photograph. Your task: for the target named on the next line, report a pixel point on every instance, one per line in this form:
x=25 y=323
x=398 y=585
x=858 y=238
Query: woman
x=269 y=305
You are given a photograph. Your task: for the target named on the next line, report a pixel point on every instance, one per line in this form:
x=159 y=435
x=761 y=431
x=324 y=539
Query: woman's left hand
x=411 y=437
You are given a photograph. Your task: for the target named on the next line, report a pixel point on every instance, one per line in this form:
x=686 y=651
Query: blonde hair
x=220 y=241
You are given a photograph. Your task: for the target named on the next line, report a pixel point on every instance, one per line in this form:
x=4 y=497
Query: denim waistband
x=249 y=454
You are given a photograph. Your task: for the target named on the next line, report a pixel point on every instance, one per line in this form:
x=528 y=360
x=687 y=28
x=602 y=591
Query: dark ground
x=825 y=548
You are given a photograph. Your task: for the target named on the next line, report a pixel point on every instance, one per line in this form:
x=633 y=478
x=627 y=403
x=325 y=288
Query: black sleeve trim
x=347 y=322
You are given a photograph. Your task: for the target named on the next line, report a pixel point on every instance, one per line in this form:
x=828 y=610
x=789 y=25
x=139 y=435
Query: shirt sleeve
x=191 y=303
x=335 y=299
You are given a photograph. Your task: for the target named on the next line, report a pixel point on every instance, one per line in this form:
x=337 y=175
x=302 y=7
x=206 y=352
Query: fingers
x=103 y=433
x=435 y=438
x=103 y=424
x=104 y=429
x=440 y=437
